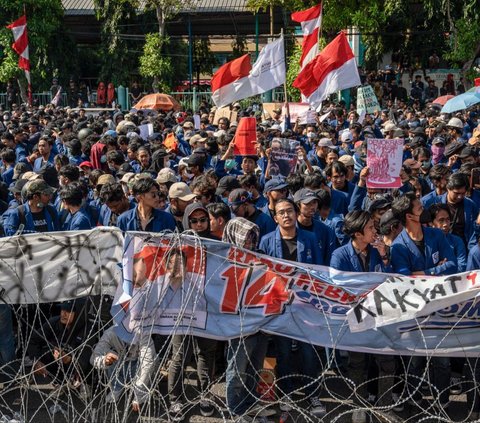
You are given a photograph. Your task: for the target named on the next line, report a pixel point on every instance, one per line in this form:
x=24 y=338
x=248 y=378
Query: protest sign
x=300 y=111
x=283 y=157
x=384 y=159
x=246 y=137
x=268 y=109
x=367 y=100
x=196 y=121
x=225 y=112
x=145 y=131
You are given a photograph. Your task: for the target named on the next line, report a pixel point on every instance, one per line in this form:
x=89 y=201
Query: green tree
x=203 y=58
x=49 y=44
x=154 y=64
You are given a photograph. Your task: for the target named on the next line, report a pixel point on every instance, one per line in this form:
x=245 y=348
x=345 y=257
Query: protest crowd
x=301 y=196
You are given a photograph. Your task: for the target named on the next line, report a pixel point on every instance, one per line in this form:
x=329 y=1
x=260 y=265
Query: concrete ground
x=39 y=403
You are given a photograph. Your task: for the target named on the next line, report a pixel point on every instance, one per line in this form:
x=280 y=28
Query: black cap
x=196 y=160
x=238 y=196
x=227 y=183
x=275 y=184
x=305 y=196
x=467 y=152
x=453 y=148
x=17 y=188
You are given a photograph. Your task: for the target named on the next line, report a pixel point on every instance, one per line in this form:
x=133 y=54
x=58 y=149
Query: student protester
x=180 y=196
x=115 y=202
x=219 y=214
x=307 y=203
x=245 y=355
x=241 y=205
x=145 y=216
x=77 y=219
x=289 y=242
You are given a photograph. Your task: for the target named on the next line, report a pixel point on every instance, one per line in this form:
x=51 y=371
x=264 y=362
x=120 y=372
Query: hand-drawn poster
x=384 y=159
x=283 y=157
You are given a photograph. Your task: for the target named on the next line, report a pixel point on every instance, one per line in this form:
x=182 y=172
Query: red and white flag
x=334 y=69
x=20 y=45
x=311 y=21
x=238 y=79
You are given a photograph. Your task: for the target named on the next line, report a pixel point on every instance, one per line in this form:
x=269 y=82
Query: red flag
x=245 y=137
x=222 y=83
x=311 y=20
x=477 y=82
x=332 y=70
x=20 y=45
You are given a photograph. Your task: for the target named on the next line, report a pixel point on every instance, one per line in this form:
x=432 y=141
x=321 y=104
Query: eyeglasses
x=200 y=220
x=199 y=197
x=285 y=212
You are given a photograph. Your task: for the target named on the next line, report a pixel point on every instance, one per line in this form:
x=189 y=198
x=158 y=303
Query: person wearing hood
x=196 y=219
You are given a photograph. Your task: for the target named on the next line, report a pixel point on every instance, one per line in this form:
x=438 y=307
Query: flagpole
x=285 y=83
x=27 y=73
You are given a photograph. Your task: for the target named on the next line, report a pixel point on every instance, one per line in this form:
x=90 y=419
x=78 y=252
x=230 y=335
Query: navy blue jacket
x=307 y=246
x=106 y=214
x=346 y=259
x=406 y=257
x=12 y=220
x=473 y=262
x=77 y=222
x=326 y=239
x=162 y=221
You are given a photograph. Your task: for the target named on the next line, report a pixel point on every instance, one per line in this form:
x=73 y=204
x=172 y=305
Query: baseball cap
x=227 y=183
x=453 y=148
x=326 y=142
x=412 y=164
x=31 y=176
x=346 y=136
x=38 y=186
x=467 y=152
x=106 y=179
x=304 y=196
x=127 y=177
x=347 y=160
x=17 y=188
x=19 y=169
x=438 y=140
x=181 y=191
x=197 y=138
x=86 y=164
x=166 y=175
x=188 y=124
x=196 y=160
x=275 y=184
x=238 y=196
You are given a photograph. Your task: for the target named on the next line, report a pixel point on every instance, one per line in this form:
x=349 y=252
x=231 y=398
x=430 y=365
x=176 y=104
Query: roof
x=86 y=7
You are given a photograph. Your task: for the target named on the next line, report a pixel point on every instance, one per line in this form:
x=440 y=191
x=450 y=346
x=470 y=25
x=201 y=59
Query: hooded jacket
x=188 y=212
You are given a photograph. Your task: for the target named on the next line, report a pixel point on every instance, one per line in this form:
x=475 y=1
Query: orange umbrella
x=443 y=99
x=158 y=102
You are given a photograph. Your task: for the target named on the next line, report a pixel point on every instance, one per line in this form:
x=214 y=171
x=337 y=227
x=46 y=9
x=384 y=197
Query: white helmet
x=455 y=123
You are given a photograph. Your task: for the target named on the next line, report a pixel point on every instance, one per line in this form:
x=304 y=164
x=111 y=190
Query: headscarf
x=238 y=230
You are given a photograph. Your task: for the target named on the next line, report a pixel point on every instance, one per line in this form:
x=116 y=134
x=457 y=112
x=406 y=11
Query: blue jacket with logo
x=307 y=246
x=162 y=221
x=407 y=258
x=346 y=259
x=12 y=220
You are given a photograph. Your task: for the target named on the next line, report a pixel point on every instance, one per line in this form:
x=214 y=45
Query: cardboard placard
x=245 y=137
x=225 y=112
x=384 y=159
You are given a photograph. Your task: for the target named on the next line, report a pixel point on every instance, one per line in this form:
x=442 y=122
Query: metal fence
x=188 y=99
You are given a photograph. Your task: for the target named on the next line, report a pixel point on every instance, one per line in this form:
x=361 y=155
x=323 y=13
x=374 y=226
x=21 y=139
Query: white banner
x=367 y=101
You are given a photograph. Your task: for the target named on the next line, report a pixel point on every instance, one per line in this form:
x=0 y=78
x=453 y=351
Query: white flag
x=268 y=71
x=232 y=83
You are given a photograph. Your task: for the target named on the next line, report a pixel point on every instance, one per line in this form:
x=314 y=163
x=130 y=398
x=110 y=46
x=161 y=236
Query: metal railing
x=188 y=99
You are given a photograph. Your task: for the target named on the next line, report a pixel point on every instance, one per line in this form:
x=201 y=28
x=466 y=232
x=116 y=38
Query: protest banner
x=367 y=100
x=226 y=292
x=300 y=111
x=145 y=131
x=225 y=112
x=283 y=157
x=384 y=159
x=47 y=267
x=246 y=137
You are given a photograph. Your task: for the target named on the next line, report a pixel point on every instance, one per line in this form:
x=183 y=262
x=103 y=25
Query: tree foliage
x=203 y=58
x=154 y=64
x=49 y=44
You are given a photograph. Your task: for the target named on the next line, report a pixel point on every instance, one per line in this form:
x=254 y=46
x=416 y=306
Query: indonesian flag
x=238 y=79
x=20 y=45
x=334 y=69
x=310 y=20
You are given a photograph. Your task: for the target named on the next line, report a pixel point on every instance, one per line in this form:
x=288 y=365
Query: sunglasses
x=200 y=220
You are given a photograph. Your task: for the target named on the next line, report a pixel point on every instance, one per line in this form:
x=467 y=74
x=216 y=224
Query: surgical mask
x=103 y=159
x=311 y=134
x=230 y=164
x=225 y=200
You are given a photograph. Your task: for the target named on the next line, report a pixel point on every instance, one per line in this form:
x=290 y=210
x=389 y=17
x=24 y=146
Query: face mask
x=427 y=164
x=230 y=164
x=311 y=134
x=111 y=168
x=103 y=159
x=437 y=153
x=225 y=200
